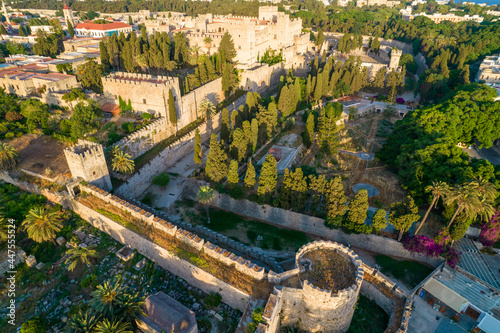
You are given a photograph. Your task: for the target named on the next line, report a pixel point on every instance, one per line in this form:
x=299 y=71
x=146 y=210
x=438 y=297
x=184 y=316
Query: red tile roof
x=103 y=27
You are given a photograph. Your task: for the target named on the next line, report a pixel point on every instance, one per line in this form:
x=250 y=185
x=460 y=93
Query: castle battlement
x=189 y=238
x=84 y=149
x=141 y=79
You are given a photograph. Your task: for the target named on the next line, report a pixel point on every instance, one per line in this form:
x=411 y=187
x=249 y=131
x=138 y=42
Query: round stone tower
x=330 y=277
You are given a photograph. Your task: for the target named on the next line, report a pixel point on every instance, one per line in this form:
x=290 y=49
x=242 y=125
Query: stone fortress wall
x=196 y=276
x=140 y=141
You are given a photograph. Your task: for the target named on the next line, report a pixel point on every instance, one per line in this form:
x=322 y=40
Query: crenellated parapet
x=190 y=239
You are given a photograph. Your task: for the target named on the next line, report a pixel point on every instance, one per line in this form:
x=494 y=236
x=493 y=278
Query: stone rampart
x=190 y=239
x=262 y=79
x=312 y=225
x=142 y=140
x=190 y=103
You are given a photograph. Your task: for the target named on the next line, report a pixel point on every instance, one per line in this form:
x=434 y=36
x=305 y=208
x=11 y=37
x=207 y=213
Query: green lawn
x=368 y=317
x=411 y=273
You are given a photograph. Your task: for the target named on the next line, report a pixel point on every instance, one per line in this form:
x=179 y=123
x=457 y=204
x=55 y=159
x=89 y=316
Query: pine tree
x=232 y=177
x=403 y=215
x=172 y=113
x=358 y=209
x=71 y=31
x=216 y=167
x=197 y=147
x=255 y=134
x=250 y=175
x=224 y=126
x=308 y=136
x=379 y=220
x=226 y=47
x=268 y=176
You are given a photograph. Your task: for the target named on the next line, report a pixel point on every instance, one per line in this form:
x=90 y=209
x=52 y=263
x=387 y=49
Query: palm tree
x=9 y=156
x=131 y=307
x=82 y=322
x=466 y=199
x=195 y=50
x=113 y=326
x=106 y=298
x=80 y=254
x=208 y=108
x=484 y=188
x=3 y=228
x=204 y=196
x=42 y=225
x=123 y=163
x=437 y=189
x=208 y=43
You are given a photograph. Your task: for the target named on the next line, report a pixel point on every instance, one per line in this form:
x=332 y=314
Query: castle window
x=93 y=173
x=239 y=47
x=144 y=101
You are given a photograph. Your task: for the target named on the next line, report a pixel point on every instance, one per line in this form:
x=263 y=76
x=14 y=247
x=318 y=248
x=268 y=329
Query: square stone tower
x=86 y=160
x=68 y=15
x=395 y=56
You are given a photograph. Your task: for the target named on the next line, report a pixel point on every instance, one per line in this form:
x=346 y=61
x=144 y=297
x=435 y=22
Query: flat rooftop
x=287 y=155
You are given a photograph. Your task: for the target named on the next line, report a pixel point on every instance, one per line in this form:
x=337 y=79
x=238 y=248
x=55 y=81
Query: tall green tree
x=86 y=118
x=229 y=79
x=268 y=178
x=379 y=220
x=403 y=214
x=308 y=135
x=268 y=120
x=80 y=255
x=239 y=145
x=172 y=113
x=35 y=112
x=225 y=126
x=123 y=163
x=250 y=175
x=71 y=31
x=357 y=213
x=216 y=167
x=375 y=45
x=232 y=176
x=255 y=134
x=320 y=39
x=334 y=197
x=465 y=75
x=89 y=74
x=197 y=147
x=226 y=47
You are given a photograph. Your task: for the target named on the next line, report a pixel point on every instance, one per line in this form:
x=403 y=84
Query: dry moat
x=329 y=270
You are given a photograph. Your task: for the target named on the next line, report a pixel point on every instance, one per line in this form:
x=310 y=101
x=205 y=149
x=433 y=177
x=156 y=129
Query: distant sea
x=489 y=2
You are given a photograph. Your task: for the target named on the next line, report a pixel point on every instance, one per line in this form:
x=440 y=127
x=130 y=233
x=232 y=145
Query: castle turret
x=86 y=160
x=395 y=56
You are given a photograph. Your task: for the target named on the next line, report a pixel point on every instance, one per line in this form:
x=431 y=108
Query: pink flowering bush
x=490 y=231
x=429 y=247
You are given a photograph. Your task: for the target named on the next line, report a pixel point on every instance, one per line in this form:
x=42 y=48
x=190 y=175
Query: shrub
x=128 y=127
x=161 y=180
x=35 y=325
x=146 y=116
x=12 y=116
x=213 y=300
x=88 y=280
x=9 y=135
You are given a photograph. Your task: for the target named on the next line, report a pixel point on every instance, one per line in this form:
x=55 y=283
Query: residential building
x=438 y=17
x=489 y=70
x=36 y=28
x=388 y=3
x=91 y=29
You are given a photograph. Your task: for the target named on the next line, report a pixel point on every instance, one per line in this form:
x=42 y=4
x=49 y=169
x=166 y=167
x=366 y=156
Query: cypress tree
x=334 y=197
x=224 y=126
x=379 y=220
x=216 y=167
x=197 y=147
x=172 y=113
x=308 y=87
x=239 y=145
x=320 y=39
x=318 y=187
x=318 y=90
x=268 y=176
x=104 y=56
x=375 y=45
x=255 y=134
x=308 y=136
x=228 y=79
x=130 y=20
x=3 y=31
x=267 y=121
x=465 y=75
x=232 y=177
x=403 y=215
x=71 y=31
x=250 y=175
x=226 y=47
x=358 y=208
x=247 y=130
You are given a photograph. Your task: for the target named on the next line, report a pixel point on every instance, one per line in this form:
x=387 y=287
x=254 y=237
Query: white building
x=489 y=70
x=438 y=18
x=90 y=29
x=46 y=28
